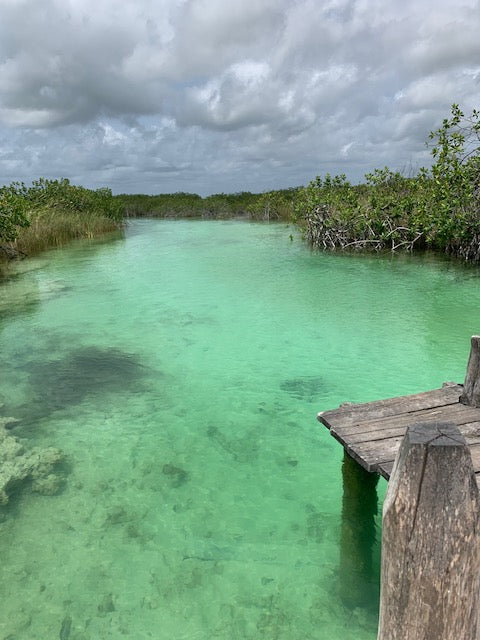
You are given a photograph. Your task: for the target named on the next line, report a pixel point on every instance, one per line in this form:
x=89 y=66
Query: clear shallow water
x=180 y=370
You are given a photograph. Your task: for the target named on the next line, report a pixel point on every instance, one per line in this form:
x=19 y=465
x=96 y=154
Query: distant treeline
x=273 y=205
x=438 y=208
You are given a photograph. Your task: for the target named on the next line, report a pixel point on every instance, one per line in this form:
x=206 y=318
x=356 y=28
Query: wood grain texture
x=471 y=388
x=430 y=544
x=371 y=433
x=352 y=413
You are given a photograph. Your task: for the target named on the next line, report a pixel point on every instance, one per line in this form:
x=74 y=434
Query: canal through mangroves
x=169 y=479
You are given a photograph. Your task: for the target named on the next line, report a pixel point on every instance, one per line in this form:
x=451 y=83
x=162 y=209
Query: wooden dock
x=371 y=433
x=430 y=585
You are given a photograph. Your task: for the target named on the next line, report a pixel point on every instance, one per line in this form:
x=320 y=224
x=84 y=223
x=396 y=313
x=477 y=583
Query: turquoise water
x=179 y=369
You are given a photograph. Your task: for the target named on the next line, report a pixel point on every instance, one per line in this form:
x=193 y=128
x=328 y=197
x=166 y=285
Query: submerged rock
x=243 y=449
x=176 y=475
x=106 y=605
x=118 y=515
x=20 y=466
x=304 y=387
x=47 y=486
x=65 y=628
x=8 y=423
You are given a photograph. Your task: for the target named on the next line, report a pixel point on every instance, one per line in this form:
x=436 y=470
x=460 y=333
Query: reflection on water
x=168 y=478
x=359 y=568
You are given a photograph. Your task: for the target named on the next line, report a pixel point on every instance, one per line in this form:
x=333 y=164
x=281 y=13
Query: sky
x=211 y=96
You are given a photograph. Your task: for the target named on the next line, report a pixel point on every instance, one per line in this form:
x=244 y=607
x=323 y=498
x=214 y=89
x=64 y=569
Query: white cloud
x=208 y=95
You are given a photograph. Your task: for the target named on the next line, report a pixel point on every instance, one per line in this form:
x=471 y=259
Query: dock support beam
x=471 y=387
x=430 y=582
x=360 y=505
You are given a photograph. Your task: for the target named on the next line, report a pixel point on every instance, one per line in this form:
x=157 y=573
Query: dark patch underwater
x=86 y=372
x=304 y=388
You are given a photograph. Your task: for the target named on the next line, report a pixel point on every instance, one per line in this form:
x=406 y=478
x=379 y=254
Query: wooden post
x=430 y=545
x=358 y=588
x=471 y=387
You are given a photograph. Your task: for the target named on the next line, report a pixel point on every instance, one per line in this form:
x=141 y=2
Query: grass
x=50 y=228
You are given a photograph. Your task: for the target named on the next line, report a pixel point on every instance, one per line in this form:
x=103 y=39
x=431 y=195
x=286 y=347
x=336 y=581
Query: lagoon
x=179 y=368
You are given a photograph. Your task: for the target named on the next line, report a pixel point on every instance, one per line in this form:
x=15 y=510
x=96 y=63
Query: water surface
x=180 y=370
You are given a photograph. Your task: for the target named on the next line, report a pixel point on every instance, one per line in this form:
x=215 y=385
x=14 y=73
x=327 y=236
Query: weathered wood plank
x=385 y=469
x=457 y=413
x=348 y=414
x=475 y=453
x=470 y=430
x=448 y=391
x=430 y=543
x=378 y=441
x=387 y=462
x=371 y=432
x=471 y=433
x=371 y=454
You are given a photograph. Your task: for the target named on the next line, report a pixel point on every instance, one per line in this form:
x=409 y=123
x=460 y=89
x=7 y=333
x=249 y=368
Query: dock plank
x=475 y=451
x=373 y=453
x=470 y=430
x=371 y=433
x=394 y=425
x=351 y=413
x=385 y=469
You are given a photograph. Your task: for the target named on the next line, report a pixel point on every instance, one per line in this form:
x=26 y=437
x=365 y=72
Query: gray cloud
x=205 y=95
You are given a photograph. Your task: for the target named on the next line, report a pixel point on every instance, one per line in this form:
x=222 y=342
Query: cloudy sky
x=213 y=96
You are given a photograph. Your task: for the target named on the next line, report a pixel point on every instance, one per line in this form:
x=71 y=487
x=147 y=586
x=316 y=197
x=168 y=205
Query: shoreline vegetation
x=51 y=213
x=437 y=209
